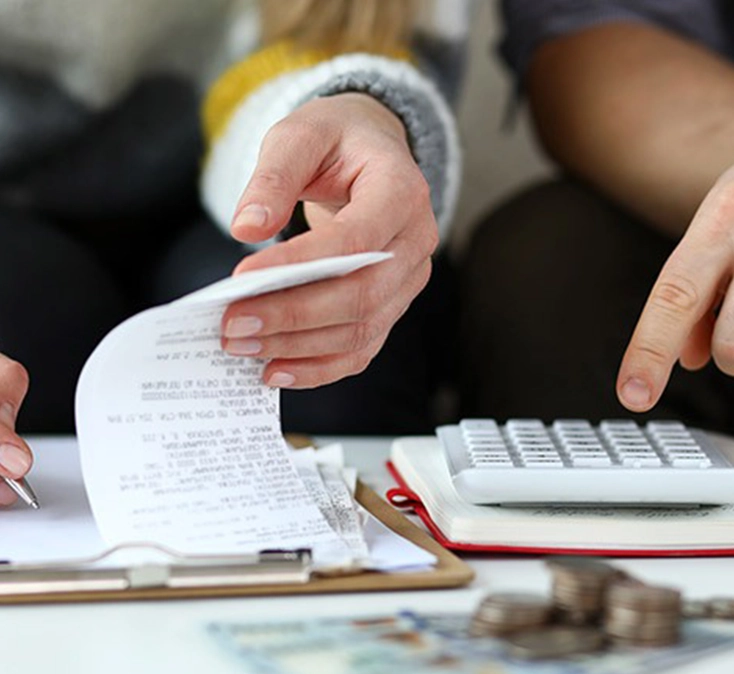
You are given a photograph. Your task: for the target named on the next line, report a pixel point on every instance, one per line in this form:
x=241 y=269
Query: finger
x=696 y=352
x=312 y=372
x=13 y=389
x=383 y=206
x=347 y=299
x=353 y=336
x=722 y=343
x=7 y=495
x=15 y=455
x=291 y=156
x=682 y=295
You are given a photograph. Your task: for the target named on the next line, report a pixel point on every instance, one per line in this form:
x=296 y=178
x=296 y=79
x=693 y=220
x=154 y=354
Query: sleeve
x=529 y=23
x=255 y=94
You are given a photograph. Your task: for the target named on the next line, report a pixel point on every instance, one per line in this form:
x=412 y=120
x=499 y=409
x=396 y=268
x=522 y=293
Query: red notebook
x=424 y=486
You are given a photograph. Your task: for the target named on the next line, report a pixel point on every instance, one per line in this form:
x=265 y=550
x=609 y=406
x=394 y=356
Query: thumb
x=15 y=455
x=290 y=159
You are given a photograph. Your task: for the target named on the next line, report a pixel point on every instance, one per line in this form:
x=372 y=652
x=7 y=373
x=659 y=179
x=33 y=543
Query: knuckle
x=432 y=239
x=291 y=316
x=352 y=239
x=12 y=372
x=721 y=213
x=363 y=334
x=271 y=179
x=301 y=129
x=366 y=301
x=653 y=353
x=676 y=296
x=420 y=189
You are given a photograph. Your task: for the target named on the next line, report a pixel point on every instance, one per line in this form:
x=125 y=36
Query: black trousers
x=552 y=284
x=63 y=289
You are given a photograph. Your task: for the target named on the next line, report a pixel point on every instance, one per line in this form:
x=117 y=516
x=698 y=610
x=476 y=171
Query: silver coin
x=554 y=642
x=722 y=608
x=643 y=597
x=509 y=611
x=696 y=609
x=580 y=565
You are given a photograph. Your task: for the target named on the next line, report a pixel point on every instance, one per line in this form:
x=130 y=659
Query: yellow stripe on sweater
x=245 y=77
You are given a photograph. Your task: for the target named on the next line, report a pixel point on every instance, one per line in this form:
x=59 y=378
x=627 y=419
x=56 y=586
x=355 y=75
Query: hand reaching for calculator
x=15 y=455
x=689 y=314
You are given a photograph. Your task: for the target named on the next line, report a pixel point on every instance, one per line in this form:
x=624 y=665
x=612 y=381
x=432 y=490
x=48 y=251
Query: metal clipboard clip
x=92 y=574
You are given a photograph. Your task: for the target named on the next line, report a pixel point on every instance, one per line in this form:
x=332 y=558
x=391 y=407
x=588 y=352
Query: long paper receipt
x=180 y=442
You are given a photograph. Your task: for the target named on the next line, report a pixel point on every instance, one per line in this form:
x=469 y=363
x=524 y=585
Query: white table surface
x=170 y=636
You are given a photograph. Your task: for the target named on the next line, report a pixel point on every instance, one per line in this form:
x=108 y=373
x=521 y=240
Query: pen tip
x=35 y=505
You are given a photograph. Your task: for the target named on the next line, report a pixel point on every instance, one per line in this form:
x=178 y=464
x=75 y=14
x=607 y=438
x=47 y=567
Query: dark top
x=528 y=23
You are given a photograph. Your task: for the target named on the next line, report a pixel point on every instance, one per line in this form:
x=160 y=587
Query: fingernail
x=253 y=215
x=242 y=326
x=243 y=347
x=14 y=460
x=635 y=393
x=7 y=415
x=281 y=380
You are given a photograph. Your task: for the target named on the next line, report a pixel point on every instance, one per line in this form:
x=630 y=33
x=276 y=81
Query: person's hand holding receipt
x=348 y=158
x=16 y=458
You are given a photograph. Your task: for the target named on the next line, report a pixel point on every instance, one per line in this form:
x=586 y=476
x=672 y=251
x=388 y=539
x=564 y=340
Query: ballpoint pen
x=24 y=490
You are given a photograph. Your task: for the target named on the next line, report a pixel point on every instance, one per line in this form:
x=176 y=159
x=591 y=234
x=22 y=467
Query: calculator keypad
x=528 y=443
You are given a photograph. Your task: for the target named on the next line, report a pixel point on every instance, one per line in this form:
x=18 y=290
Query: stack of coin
x=507 y=612
x=721 y=608
x=554 y=642
x=642 y=615
x=579 y=588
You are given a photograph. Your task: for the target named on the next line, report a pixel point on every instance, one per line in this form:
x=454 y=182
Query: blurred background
x=497 y=161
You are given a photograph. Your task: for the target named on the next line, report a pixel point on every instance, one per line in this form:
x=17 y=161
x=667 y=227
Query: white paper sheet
x=64 y=527
x=331 y=495
x=181 y=443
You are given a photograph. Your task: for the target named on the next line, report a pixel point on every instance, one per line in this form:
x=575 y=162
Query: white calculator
x=525 y=462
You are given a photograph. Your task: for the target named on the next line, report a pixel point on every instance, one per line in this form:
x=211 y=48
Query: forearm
x=643 y=114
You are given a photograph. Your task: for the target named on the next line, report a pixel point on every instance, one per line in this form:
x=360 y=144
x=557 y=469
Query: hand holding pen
x=16 y=458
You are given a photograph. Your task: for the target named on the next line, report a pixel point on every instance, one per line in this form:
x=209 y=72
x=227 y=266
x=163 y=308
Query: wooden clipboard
x=449 y=572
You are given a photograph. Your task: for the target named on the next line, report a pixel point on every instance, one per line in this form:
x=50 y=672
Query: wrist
x=361 y=109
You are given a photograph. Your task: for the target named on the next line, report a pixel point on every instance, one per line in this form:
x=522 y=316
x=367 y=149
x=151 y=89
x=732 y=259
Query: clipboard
x=292 y=576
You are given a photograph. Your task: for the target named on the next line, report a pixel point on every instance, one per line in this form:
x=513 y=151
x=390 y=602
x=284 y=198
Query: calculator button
x=583 y=446
x=654 y=426
x=533 y=444
x=690 y=462
x=532 y=462
x=625 y=445
x=677 y=442
x=618 y=425
x=574 y=424
x=524 y=424
x=641 y=461
x=488 y=444
x=479 y=425
x=591 y=461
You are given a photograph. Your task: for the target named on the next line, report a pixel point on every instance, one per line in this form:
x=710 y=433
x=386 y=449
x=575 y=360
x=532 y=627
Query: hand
x=15 y=455
x=348 y=159
x=689 y=315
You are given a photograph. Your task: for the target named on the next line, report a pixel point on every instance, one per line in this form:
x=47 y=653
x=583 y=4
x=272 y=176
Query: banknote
x=415 y=643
